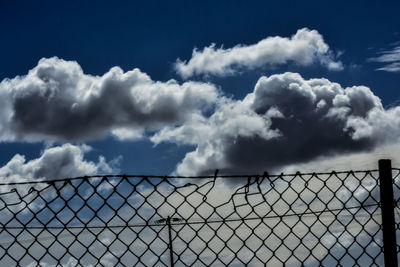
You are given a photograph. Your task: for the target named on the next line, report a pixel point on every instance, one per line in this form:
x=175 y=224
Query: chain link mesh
x=396 y=195
x=307 y=219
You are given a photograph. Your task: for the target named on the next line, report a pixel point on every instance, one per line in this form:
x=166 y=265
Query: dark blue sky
x=151 y=35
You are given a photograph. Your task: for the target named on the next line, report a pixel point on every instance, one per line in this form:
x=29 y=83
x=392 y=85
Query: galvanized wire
x=309 y=219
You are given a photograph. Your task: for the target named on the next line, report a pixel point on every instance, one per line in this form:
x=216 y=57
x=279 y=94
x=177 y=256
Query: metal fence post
x=387 y=207
x=171 y=250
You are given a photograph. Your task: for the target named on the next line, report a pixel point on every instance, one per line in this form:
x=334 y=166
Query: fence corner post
x=387 y=207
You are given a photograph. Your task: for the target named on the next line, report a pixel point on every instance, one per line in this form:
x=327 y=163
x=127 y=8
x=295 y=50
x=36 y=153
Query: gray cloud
x=390 y=57
x=55 y=163
x=304 y=48
x=286 y=120
x=57 y=101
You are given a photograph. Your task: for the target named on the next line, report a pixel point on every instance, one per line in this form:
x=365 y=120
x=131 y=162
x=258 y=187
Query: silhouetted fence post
x=387 y=207
x=170 y=240
x=171 y=250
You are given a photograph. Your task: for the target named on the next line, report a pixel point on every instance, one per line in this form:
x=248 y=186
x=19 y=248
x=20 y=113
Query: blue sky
x=153 y=35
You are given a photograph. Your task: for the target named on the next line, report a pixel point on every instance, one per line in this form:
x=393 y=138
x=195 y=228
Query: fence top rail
x=234 y=176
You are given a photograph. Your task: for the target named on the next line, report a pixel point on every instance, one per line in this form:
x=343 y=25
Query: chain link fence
x=302 y=219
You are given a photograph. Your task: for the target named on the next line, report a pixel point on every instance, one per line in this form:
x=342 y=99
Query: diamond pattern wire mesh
x=396 y=195
x=309 y=219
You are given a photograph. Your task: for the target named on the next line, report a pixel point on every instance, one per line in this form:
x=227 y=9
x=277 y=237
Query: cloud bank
x=390 y=57
x=304 y=48
x=57 y=101
x=55 y=163
x=285 y=120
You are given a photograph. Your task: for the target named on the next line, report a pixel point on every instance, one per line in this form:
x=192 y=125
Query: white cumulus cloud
x=304 y=48
x=56 y=100
x=286 y=120
x=55 y=163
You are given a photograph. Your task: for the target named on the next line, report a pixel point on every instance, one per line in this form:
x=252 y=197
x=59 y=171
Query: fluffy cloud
x=57 y=101
x=304 y=48
x=286 y=120
x=55 y=163
x=390 y=57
